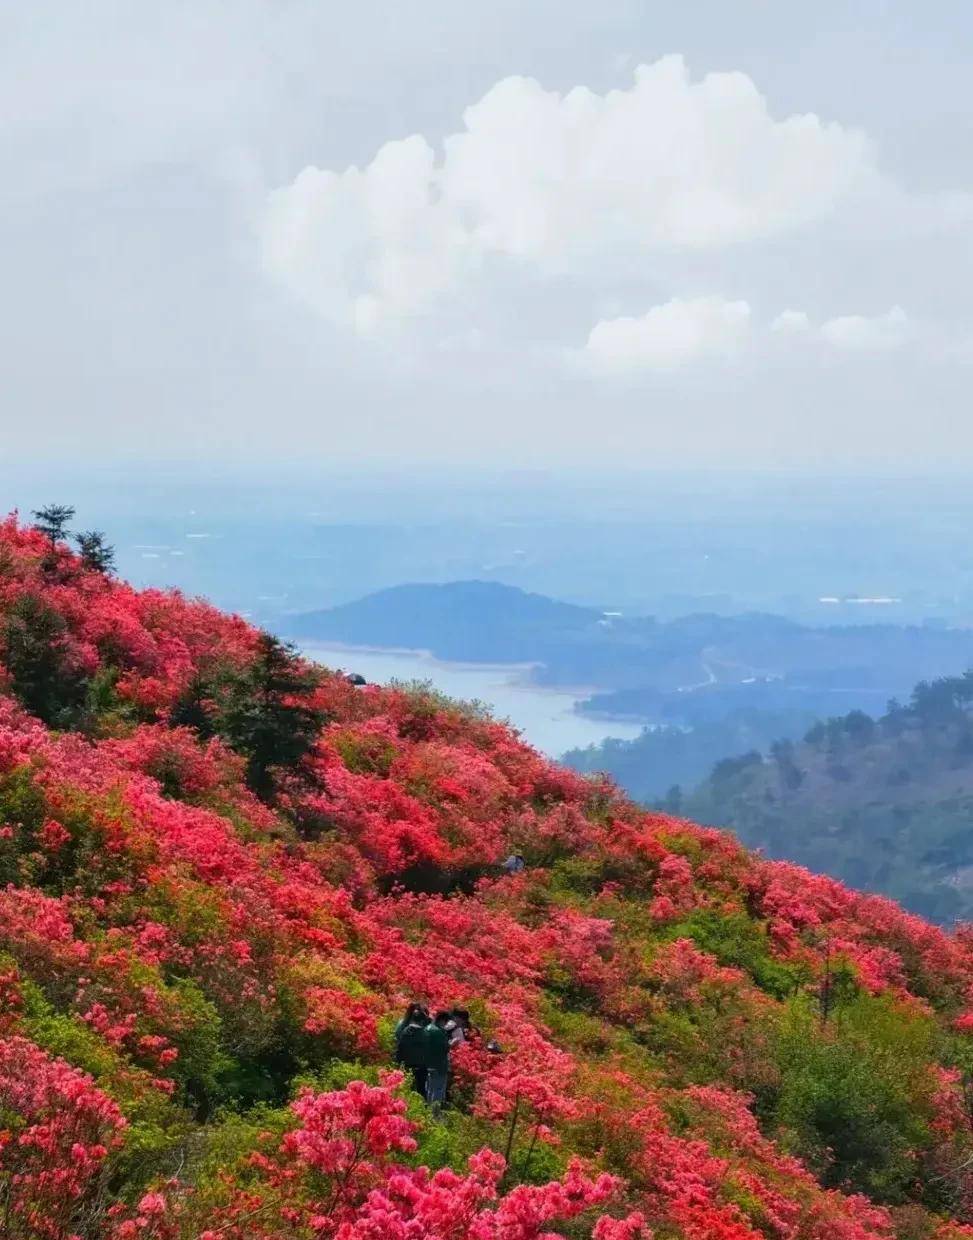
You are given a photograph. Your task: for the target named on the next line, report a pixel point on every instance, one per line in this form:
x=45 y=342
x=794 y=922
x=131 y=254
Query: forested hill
x=224 y=871
x=464 y=620
x=664 y=760
x=886 y=805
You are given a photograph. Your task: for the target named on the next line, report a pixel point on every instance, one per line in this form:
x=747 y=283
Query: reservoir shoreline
x=545 y=716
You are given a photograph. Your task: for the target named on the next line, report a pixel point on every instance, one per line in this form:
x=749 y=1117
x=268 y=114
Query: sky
x=556 y=233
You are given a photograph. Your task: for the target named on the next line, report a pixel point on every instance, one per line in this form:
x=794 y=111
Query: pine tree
x=96 y=554
x=52 y=521
x=266 y=716
x=193 y=708
x=33 y=635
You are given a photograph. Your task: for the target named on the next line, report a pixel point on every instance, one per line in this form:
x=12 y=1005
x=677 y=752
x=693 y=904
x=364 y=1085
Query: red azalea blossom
x=184 y=942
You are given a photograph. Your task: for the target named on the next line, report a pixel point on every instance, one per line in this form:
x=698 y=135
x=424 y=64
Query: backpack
x=412 y=1045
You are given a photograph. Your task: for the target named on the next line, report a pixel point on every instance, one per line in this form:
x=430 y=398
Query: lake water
x=545 y=717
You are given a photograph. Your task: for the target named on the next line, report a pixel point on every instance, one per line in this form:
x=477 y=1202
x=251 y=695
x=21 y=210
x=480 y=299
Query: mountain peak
x=464 y=620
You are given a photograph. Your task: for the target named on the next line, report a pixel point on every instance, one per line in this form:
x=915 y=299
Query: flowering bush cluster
x=223 y=872
x=59 y=1134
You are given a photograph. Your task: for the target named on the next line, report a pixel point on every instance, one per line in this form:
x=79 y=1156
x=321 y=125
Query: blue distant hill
x=479 y=621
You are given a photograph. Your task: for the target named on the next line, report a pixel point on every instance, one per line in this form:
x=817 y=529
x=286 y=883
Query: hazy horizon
x=270 y=543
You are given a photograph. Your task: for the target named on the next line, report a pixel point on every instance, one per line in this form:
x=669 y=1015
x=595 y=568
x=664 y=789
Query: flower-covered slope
x=224 y=872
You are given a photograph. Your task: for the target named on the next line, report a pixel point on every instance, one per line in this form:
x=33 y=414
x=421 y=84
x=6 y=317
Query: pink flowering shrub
x=57 y=1131
x=205 y=942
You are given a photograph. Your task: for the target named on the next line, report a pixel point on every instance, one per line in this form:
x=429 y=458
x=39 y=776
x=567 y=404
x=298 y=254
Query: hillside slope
x=224 y=872
x=662 y=761
x=885 y=804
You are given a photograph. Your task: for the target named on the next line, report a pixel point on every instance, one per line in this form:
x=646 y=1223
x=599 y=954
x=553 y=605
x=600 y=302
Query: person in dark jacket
x=410 y=1045
x=437 y=1060
x=415 y=1011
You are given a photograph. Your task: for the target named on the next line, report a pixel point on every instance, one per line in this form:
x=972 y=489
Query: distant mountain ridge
x=690 y=670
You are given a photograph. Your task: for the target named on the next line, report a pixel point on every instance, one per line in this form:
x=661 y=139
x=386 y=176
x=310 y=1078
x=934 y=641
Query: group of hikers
x=423 y=1045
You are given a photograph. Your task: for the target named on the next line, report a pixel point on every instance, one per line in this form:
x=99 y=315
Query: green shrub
x=736 y=939
x=856 y=1094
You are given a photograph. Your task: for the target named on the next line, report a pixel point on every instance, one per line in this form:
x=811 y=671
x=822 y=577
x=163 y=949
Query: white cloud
x=791 y=322
x=685 y=331
x=552 y=181
x=364 y=245
x=669 y=336
x=850 y=333
x=858 y=334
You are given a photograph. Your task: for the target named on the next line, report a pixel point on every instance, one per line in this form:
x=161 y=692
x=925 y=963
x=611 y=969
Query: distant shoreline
x=416 y=652
x=473 y=665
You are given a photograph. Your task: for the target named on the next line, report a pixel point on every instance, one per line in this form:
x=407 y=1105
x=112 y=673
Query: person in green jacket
x=437 y=1060
x=410 y=1045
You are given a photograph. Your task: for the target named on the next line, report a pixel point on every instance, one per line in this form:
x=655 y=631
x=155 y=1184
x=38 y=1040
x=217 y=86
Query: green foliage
x=223 y=1151
x=264 y=714
x=883 y=805
x=96 y=555
x=202 y=1055
x=579 y=876
x=156 y=1128
x=33 y=636
x=365 y=755
x=256 y=1079
x=260 y=710
x=191 y=709
x=855 y=1098
x=446 y=1143
x=587 y=1035
x=662 y=761
x=736 y=939
x=427 y=705
x=103 y=712
x=22 y=806
x=52 y=521
x=688 y=1044
x=568 y=989
x=65 y=1035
